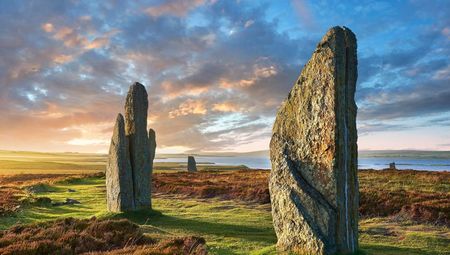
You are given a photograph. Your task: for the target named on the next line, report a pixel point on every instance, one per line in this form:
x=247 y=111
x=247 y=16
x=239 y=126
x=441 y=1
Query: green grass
x=19 y=162
x=229 y=227
x=381 y=236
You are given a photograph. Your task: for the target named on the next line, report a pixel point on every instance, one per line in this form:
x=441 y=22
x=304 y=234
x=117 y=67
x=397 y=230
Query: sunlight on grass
x=229 y=227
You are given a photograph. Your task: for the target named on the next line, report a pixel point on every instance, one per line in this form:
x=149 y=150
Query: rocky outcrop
x=119 y=180
x=136 y=107
x=313 y=183
x=191 y=165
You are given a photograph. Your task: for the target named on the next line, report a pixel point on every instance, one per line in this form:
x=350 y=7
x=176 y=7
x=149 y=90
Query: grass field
x=232 y=225
x=19 y=162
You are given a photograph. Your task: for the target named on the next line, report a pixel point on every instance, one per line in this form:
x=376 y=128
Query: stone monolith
x=136 y=107
x=152 y=153
x=119 y=179
x=191 y=165
x=313 y=183
x=151 y=146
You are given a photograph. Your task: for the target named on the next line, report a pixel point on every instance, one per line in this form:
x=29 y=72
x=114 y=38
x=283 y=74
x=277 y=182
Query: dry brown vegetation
x=28 y=179
x=9 y=200
x=244 y=185
x=421 y=196
x=93 y=236
x=14 y=187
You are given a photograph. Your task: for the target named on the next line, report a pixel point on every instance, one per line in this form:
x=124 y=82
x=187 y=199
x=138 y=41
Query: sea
x=262 y=162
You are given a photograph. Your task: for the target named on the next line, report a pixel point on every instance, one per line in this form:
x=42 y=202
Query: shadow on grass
x=159 y=220
x=375 y=249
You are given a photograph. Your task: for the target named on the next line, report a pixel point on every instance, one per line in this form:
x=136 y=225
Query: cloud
x=65 y=68
x=226 y=107
x=189 y=107
x=423 y=99
x=177 y=8
x=47 y=27
x=248 y=23
x=304 y=13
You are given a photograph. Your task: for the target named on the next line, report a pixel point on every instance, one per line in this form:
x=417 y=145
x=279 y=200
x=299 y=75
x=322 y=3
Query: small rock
x=71 y=190
x=37 y=188
x=70 y=201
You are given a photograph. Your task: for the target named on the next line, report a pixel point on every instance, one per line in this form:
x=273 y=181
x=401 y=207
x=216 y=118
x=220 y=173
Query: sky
x=215 y=71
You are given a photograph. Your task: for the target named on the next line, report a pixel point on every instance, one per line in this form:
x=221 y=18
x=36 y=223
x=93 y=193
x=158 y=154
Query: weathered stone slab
x=313 y=182
x=136 y=108
x=119 y=180
x=191 y=165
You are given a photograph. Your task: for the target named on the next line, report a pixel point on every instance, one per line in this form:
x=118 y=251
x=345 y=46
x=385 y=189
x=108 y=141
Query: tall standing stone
x=191 y=165
x=119 y=180
x=136 y=107
x=313 y=183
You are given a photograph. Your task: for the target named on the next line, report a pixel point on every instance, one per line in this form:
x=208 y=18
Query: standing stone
x=313 y=183
x=152 y=153
x=119 y=180
x=152 y=147
x=136 y=107
x=392 y=166
x=192 y=165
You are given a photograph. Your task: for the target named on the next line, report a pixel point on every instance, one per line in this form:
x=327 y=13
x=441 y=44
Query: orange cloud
x=73 y=39
x=47 y=27
x=63 y=33
x=226 y=107
x=259 y=73
x=172 y=91
x=99 y=42
x=189 y=107
x=61 y=59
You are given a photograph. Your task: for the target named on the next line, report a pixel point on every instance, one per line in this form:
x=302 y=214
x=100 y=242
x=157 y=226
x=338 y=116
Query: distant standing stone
x=392 y=166
x=192 y=165
x=136 y=108
x=119 y=180
x=313 y=183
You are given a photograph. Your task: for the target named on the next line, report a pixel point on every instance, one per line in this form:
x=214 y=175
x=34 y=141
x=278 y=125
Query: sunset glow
x=215 y=71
